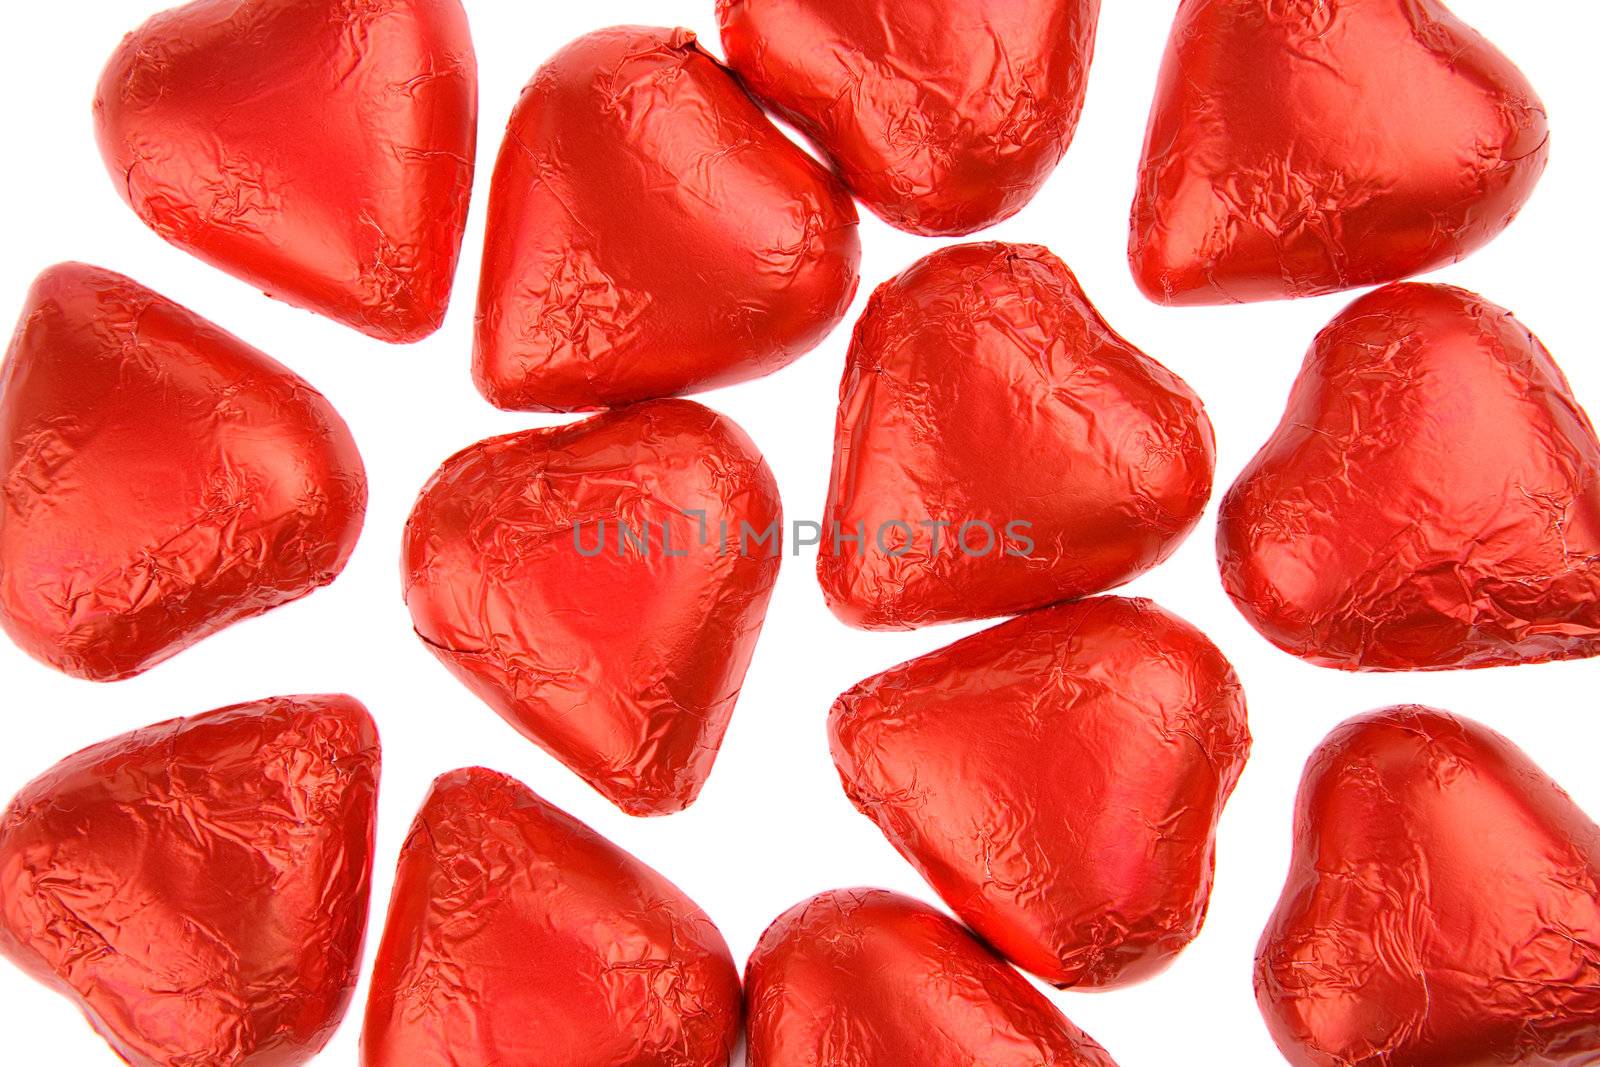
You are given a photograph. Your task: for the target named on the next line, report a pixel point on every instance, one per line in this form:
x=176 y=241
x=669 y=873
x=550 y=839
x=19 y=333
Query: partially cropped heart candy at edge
x=199 y=887
x=1298 y=147
x=869 y=977
x=518 y=935
x=1442 y=907
x=943 y=116
x=320 y=150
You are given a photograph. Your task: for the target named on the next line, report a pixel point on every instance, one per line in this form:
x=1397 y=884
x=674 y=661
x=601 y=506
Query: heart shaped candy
x=1431 y=499
x=517 y=935
x=871 y=978
x=1443 y=906
x=1058 y=780
x=651 y=233
x=321 y=150
x=199 y=888
x=601 y=585
x=1299 y=147
x=1001 y=448
x=944 y=116
x=163 y=479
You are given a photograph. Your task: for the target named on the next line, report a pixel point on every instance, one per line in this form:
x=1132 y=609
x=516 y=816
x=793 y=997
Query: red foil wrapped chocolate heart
x=1058 y=780
x=199 y=888
x=1431 y=499
x=1000 y=448
x=1442 y=908
x=601 y=585
x=1299 y=147
x=651 y=233
x=519 y=935
x=865 y=976
x=163 y=479
x=943 y=116
x=320 y=150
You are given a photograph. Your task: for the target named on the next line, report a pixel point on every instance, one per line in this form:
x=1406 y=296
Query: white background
x=773 y=825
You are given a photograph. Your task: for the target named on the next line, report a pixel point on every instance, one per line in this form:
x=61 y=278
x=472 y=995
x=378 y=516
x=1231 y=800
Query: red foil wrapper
x=1441 y=908
x=165 y=479
x=1430 y=501
x=1058 y=780
x=1000 y=448
x=651 y=233
x=518 y=935
x=865 y=976
x=199 y=888
x=601 y=585
x=943 y=116
x=1305 y=148
x=320 y=150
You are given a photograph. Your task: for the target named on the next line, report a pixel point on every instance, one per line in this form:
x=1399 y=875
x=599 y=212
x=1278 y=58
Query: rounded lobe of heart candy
x=943 y=118
x=652 y=233
x=602 y=585
x=1304 y=147
x=320 y=151
x=1430 y=501
x=1000 y=448
x=1442 y=906
x=517 y=934
x=865 y=976
x=1058 y=781
x=162 y=479
x=199 y=887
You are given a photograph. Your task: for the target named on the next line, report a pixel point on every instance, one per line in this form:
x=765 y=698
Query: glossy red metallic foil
x=1430 y=501
x=869 y=977
x=943 y=116
x=518 y=935
x=652 y=233
x=1058 y=780
x=320 y=150
x=601 y=585
x=1299 y=147
x=163 y=479
x=1000 y=448
x=1442 y=906
x=199 y=887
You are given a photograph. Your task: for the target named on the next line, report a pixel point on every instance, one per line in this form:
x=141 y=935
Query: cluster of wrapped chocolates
x=1430 y=501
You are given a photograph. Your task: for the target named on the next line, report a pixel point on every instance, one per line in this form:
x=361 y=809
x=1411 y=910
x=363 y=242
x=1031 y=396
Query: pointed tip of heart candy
x=1441 y=904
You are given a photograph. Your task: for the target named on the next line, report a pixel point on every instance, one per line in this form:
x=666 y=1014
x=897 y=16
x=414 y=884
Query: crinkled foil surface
x=652 y=233
x=943 y=116
x=163 y=479
x=517 y=935
x=1000 y=447
x=199 y=887
x=601 y=585
x=1299 y=147
x=1058 y=780
x=1442 y=908
x=865 y=977
x=1431 y=499
x=202 y=116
